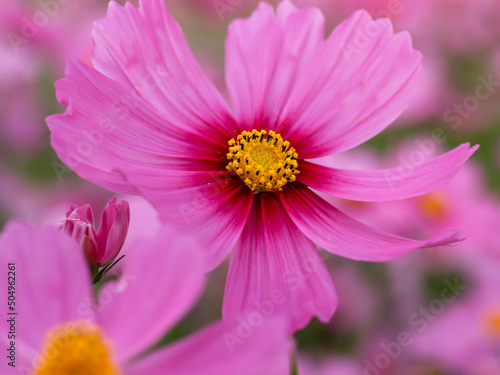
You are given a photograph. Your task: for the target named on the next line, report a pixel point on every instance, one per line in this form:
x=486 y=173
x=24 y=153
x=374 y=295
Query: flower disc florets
x=263 y=161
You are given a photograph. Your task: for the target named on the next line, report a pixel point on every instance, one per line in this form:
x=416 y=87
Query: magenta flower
x=103 y=246
x=147 y=121
x=62 y=329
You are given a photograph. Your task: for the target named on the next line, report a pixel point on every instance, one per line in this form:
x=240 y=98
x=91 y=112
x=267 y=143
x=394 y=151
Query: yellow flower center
x=492 y=322
x=77 y=348
x=263 y=161
x=435 y=205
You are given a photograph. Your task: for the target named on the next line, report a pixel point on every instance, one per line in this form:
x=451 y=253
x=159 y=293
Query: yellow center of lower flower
x=263 y=161
x=77 y=348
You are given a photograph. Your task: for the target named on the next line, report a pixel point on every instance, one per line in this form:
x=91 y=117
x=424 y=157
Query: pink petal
x=212 y=206
x=220 y=349
x=83 y=213
x=352 y=88
x=145 y=50
x=52 y=283
x=113 y=230
x=107 y=129
x=264 y=56
x=161 y=280
x=275 y=269
x=386 y=184
x=342 y=235
x=77 y=226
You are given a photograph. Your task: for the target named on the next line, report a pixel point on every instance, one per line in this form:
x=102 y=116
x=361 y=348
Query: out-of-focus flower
x=156 y=126
x=454 y=332
x=19 y=106
x=330 y=366
x=433 y=26
x=42 y=201
x=64 y=328
x=465 y=336
x=37 y=41
x=477 y=19
x=465 y=202
x=103 y=246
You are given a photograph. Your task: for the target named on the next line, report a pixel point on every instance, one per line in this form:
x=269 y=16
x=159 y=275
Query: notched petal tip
x=473 y=149
x=447 y=238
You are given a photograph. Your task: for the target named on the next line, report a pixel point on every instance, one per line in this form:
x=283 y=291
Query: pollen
x=262 y=160
x=77 y=348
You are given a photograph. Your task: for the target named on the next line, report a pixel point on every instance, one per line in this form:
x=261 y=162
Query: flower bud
x=79 y=225
x=113 y=231
x=101 y=247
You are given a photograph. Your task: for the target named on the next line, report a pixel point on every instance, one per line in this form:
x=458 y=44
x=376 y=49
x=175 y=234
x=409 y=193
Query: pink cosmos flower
x=102 y=246
x=147 y=121
x=61 y=329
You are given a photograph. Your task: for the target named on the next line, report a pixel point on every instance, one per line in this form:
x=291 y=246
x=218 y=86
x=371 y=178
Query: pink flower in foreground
x=62 y=330
x=147 y=121
x=103 y=246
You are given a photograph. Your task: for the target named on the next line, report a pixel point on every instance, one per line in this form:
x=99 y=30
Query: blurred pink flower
x=103 y=246
x=330 y=366
x=38 y=39
x=358 y=299
x=20 y=117
x=63 y=329
x=477 y=19
x=466 y=336
x=433 y=25
x=147 y=121
x=42 y=201
x=466 y=202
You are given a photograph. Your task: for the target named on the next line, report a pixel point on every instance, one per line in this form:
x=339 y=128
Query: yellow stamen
x=77 y=348
x=263 y=161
